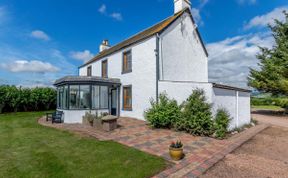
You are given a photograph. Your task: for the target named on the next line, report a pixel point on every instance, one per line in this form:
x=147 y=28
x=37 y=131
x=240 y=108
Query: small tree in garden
x=222 y=120
x=164 y=113
x=196 y=115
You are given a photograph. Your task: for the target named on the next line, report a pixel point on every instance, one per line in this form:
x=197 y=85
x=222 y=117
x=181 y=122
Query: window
x=84 y=97
x=74 y=97
x=127 y=97
x=103 y=97
x=89 y=71
x=99 y=97
x=95 y=97
x=65 y=98
x=104 y=69
x=127 y=62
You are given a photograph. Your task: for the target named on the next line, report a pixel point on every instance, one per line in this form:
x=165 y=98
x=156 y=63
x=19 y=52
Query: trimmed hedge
x=13 y=99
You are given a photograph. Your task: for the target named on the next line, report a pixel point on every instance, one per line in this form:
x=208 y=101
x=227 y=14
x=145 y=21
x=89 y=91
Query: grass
x=30 y=150
x=268 y=107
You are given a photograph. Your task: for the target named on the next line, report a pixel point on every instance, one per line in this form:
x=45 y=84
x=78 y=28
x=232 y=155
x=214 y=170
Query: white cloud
x=38 y=34
x=230 y=59
x=247 y=1
x=117 y=16
x=81 y=55
x=264 y=20
x=203 y=3
x=102 y=9
x=196 y=15
x=29 y=66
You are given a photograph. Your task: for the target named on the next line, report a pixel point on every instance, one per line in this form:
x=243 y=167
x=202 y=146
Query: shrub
x=222 y=120
x=196 y=115
x=164 y=113
x=15 y=99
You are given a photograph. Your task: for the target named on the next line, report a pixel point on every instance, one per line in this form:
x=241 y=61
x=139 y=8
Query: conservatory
x=77 y=95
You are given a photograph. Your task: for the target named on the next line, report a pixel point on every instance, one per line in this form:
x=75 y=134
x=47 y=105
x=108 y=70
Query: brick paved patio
x=200 y=152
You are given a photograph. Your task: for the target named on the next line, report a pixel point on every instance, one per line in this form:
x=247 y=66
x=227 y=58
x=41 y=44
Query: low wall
x=75 y=116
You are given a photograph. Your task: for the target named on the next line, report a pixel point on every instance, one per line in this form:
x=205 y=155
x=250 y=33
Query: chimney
x=179 y=5
x=104 y=45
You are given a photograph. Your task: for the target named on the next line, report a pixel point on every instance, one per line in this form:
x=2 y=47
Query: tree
x=272 y=77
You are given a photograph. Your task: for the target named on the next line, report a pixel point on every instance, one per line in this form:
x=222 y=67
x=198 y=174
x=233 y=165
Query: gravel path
x=266 y=155
x=277 y=120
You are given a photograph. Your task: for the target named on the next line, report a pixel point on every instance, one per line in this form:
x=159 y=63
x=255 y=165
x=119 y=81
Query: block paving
x=201 y=153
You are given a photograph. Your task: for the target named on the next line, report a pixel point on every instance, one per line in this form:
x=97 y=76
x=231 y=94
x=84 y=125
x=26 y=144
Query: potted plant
x=176 y=150
x=88 y=119
x=97 y=121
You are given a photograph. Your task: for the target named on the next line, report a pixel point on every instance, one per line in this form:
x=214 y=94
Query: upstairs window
x=89 y=71
x=104 y=69
x=127 y=62
x=127 y=98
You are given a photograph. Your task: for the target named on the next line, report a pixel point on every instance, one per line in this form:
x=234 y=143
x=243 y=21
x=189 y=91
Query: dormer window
x=127 y=62
x=89 y=71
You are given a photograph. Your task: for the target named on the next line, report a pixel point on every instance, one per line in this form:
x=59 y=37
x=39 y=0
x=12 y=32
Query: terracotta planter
x=176 y=153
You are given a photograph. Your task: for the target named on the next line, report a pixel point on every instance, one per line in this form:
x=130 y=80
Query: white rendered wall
x=142 y=78
x=180 y=91
x=182 y=57
x=239 y=109
x=75 y=116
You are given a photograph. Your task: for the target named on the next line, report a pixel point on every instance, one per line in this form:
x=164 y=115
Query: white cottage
x=167 y=57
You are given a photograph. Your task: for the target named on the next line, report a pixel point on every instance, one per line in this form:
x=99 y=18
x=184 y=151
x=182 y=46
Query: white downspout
x=237 y=109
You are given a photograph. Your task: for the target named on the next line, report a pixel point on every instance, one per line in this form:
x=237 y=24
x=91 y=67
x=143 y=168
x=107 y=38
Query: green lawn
x=30 y=150
x=271 y=107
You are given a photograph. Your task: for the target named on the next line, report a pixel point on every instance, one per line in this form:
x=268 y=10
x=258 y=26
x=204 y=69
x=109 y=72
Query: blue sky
x=41 y=41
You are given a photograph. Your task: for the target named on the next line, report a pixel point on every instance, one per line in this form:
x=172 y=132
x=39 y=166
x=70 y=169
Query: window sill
x=127 y=109
x=126 y=72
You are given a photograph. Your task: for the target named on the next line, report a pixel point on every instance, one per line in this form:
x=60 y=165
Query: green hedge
x=268 y=101
x=13 y=99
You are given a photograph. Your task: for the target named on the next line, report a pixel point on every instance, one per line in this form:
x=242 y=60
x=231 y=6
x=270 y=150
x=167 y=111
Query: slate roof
x=158 y=28
x=227 y=87
x=86 y=80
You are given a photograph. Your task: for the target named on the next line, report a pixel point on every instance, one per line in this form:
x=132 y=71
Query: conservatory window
x=84 y=97
x=103 y=97
x=74 y=97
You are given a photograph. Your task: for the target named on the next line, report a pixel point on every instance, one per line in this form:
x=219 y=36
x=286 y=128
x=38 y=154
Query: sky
x=41 y=41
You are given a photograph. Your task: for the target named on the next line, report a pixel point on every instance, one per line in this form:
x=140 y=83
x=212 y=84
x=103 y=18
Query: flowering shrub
x=177 y=144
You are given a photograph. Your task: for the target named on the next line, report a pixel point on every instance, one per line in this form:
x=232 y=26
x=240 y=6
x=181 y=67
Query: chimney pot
x=104 y=45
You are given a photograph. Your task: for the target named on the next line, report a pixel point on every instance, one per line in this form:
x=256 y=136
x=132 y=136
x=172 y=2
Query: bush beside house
x=15 y=99
x=164 y=113
x=193 y=116
x=221 y=124
x=196 y=116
